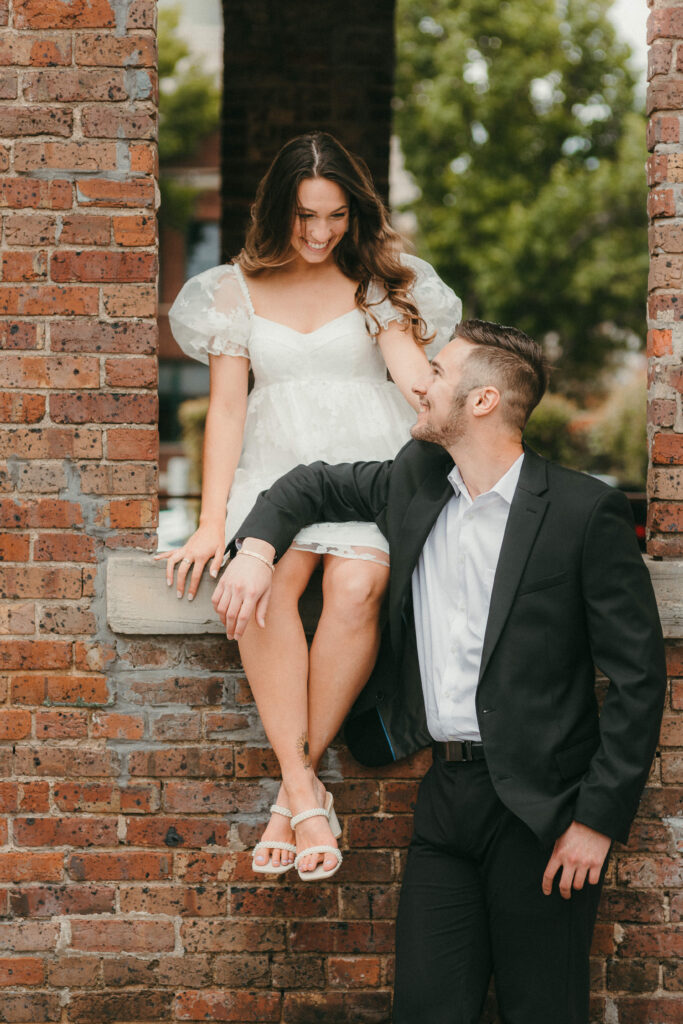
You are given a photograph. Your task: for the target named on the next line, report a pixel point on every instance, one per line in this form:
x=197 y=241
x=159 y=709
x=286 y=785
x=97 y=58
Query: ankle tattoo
x=304 y=750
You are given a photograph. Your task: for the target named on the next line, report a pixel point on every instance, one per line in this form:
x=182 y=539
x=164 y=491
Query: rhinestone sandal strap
x=275 y=845
x=315 y=812
x=317 y=849
x=284 y=811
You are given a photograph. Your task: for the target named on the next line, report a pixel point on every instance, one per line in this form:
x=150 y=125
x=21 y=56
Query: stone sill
x=139 y=602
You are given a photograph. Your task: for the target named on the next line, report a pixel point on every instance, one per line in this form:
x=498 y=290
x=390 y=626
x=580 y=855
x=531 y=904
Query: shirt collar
x=505 y=487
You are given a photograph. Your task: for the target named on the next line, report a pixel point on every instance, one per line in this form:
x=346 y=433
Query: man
x=511 y=579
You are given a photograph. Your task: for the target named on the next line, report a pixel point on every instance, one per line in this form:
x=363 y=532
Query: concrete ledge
x=138 y=600
x=667 y=579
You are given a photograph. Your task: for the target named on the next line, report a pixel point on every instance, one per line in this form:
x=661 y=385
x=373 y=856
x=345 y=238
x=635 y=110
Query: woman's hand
x=207 y=543
x=244 y=588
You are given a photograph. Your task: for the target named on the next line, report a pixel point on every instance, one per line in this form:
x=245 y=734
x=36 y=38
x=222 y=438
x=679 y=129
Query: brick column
x=78 y=442
x=637 y=973
x=665 y=306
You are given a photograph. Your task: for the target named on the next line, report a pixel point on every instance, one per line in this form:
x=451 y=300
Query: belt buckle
x=459 y=750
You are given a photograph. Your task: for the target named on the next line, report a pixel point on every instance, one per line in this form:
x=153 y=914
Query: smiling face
x=443 y=394
x=320 y=220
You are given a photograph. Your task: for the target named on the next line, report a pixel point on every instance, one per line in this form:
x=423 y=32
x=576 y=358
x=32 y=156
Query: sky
x=630 y=17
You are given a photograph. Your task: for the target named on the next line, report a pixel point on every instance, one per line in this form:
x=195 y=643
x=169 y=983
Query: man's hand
x=580 y=852
x=244 y=588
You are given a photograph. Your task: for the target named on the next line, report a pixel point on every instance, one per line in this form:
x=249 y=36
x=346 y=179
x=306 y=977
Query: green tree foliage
x=518 y=123
x=189 y=111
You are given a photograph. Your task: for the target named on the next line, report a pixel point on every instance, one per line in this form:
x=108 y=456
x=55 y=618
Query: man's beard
x=452 y=431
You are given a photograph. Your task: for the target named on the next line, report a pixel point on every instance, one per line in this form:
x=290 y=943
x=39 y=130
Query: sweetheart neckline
x=306 y=334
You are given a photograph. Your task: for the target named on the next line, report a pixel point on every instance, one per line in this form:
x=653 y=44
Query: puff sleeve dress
x=320 y=395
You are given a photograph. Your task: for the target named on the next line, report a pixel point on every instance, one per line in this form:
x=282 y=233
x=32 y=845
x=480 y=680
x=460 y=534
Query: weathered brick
x=98 y=48
x=39 y=120
x=199 y=761
x=118 y=726
x=176 y=900
x=73 y=971
x=238 y=1005
x=21 y=408
x=217 y=797
x=77 y=407
x=79 y=832
x=14 y=547
x=67 y=619
x=65 y=547
x=138 y=192
x=61 y=724
x=130 y=300
x=30 y=229
x=31 y=1006
x=28 y=936
x=135 y=230
x=14 y=724
x=62 y=900
x=21 y=193
x=131 y=513
x=114 y=935
x=116 y=338
x=124 y=865
x=175 y=831
x=51 y=443
x=31 y=867
x=83 y=229
x=93 y=265
x=49 y=300
x=22 y=49
x=105 y=122
x=17 y=618
x=21 y=970
x=23 y=266
x=55 y=372
x=73 y=85
x=56 y=14
x=130 y=444
x=65 y=762
x=72 y=156
x=34 y=654
x=9 y=85
x=139 y=1005
x=218 y=935
x=18 y=335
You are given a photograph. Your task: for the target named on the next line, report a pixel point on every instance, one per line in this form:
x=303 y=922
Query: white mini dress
x=323 y=395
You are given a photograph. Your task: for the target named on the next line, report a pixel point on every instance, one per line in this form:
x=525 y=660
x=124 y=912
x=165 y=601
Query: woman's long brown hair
x=369 y=249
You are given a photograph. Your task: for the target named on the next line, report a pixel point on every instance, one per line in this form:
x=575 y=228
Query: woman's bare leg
x=275 y=660
x=345 y=645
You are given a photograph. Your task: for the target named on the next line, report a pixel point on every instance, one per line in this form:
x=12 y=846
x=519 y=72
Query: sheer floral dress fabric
x=322 y=395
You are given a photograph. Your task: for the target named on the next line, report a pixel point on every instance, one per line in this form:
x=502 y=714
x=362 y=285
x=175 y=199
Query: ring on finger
x=187 y=561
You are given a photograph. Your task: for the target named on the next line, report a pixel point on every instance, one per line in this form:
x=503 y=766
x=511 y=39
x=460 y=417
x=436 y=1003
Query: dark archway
x=329 y=65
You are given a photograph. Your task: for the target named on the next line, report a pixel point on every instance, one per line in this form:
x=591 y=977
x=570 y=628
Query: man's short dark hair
x=509 y=359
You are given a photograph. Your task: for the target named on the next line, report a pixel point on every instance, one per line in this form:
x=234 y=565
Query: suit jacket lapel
x=526 y=515
x=420 y=516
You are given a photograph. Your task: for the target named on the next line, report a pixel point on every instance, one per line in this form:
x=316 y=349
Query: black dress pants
x=472 y=905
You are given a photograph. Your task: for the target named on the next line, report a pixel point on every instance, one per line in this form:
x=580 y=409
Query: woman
x=319 y=303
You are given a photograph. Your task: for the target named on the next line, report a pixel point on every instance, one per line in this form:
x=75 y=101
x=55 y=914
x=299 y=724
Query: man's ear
x=486 y=400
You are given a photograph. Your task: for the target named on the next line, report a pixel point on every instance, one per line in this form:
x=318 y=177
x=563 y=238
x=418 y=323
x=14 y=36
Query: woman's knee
x=354 y=588
x=292 y=574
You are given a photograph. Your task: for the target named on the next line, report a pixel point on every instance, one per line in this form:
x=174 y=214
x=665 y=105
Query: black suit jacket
x=570 y=592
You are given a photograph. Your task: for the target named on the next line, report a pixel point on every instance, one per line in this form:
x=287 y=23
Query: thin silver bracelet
x=261 y=558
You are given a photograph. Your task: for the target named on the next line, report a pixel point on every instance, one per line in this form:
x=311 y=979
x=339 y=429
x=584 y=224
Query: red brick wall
x=133 y=773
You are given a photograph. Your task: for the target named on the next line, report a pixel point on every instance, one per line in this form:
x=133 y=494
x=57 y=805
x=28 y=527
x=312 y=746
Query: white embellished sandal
x=319 y=873
x=273 y=844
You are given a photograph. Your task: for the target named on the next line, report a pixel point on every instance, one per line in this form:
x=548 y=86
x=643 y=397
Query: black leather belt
x=458 y=750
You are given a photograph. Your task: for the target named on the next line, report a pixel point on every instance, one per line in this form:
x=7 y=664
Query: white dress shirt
x=451 y=586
